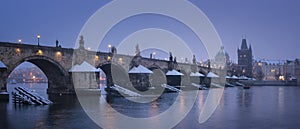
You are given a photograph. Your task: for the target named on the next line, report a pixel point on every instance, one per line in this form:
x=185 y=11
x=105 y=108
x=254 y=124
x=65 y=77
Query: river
x=276 y=107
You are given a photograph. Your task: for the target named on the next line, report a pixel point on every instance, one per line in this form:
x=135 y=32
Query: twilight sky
x=271 y=26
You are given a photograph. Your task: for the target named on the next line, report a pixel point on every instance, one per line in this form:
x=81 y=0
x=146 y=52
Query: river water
x=262 y=107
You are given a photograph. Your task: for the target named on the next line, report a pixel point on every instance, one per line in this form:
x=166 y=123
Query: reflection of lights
x=39 y=52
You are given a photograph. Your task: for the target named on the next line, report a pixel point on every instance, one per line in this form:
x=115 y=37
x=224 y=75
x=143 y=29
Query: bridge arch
x=115 y=74
x=58 y=77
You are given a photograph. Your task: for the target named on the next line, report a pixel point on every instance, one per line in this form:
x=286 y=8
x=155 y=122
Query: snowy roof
x=140 y=69
x=2 y=65
x=84 y=67
x=227 y=77
x=243 y=77
x=197 y=74
x=234 y=77
x=211 y=74
x=174 y=72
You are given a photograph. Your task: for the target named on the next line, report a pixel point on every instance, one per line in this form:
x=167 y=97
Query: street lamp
x=19 y=40
x=109 y=48
x=38 y=37
x=154 y=53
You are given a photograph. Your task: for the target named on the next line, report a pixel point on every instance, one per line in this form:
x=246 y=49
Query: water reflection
x=259 y=107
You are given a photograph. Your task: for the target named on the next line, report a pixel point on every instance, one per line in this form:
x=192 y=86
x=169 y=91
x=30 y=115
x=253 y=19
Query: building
x=221 y=59
x=245 y=59
x=297 y=71
x=268 y=69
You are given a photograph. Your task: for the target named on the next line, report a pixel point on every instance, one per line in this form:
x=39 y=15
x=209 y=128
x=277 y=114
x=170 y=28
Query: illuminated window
x=273 y=70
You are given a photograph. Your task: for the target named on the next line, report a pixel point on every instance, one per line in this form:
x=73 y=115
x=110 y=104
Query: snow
x=174 y=72
x=84 y=67
x=197 y=74
x=227 y=77
x=234 y=77
x=243 y=77
x=125 y=91
x=212 y=75
x=140 y=69
x=170 y=88
x=2 y=65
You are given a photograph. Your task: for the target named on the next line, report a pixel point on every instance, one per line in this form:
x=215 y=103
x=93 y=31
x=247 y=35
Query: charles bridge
x=56 y=62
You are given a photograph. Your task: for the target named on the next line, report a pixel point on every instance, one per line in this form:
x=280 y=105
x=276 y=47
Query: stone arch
x=58 y=77
x=115 y=74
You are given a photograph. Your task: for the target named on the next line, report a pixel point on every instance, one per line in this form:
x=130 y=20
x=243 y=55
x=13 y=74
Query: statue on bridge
x=194 y=59
x=171 y=57
x=81 y=42
x=137 y=50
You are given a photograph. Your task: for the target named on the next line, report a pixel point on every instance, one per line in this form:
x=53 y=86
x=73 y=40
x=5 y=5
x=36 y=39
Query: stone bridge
x=56 y=62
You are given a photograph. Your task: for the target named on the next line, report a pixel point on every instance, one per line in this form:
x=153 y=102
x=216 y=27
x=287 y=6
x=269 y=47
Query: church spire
x=244 y=44
x=250 y=48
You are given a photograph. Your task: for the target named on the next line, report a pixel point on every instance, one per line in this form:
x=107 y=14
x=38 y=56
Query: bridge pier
x=4 y=96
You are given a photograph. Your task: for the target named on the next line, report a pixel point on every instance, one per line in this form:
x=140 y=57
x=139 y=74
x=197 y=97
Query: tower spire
x=244 y=44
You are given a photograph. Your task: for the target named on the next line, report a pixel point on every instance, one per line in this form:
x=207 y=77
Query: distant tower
x=245 y=59
x=222 y=58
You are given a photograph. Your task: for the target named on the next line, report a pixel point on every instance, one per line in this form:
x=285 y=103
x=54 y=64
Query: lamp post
x=19 y=40
x=38 y=37
x=109 y=48
x=154 y=53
